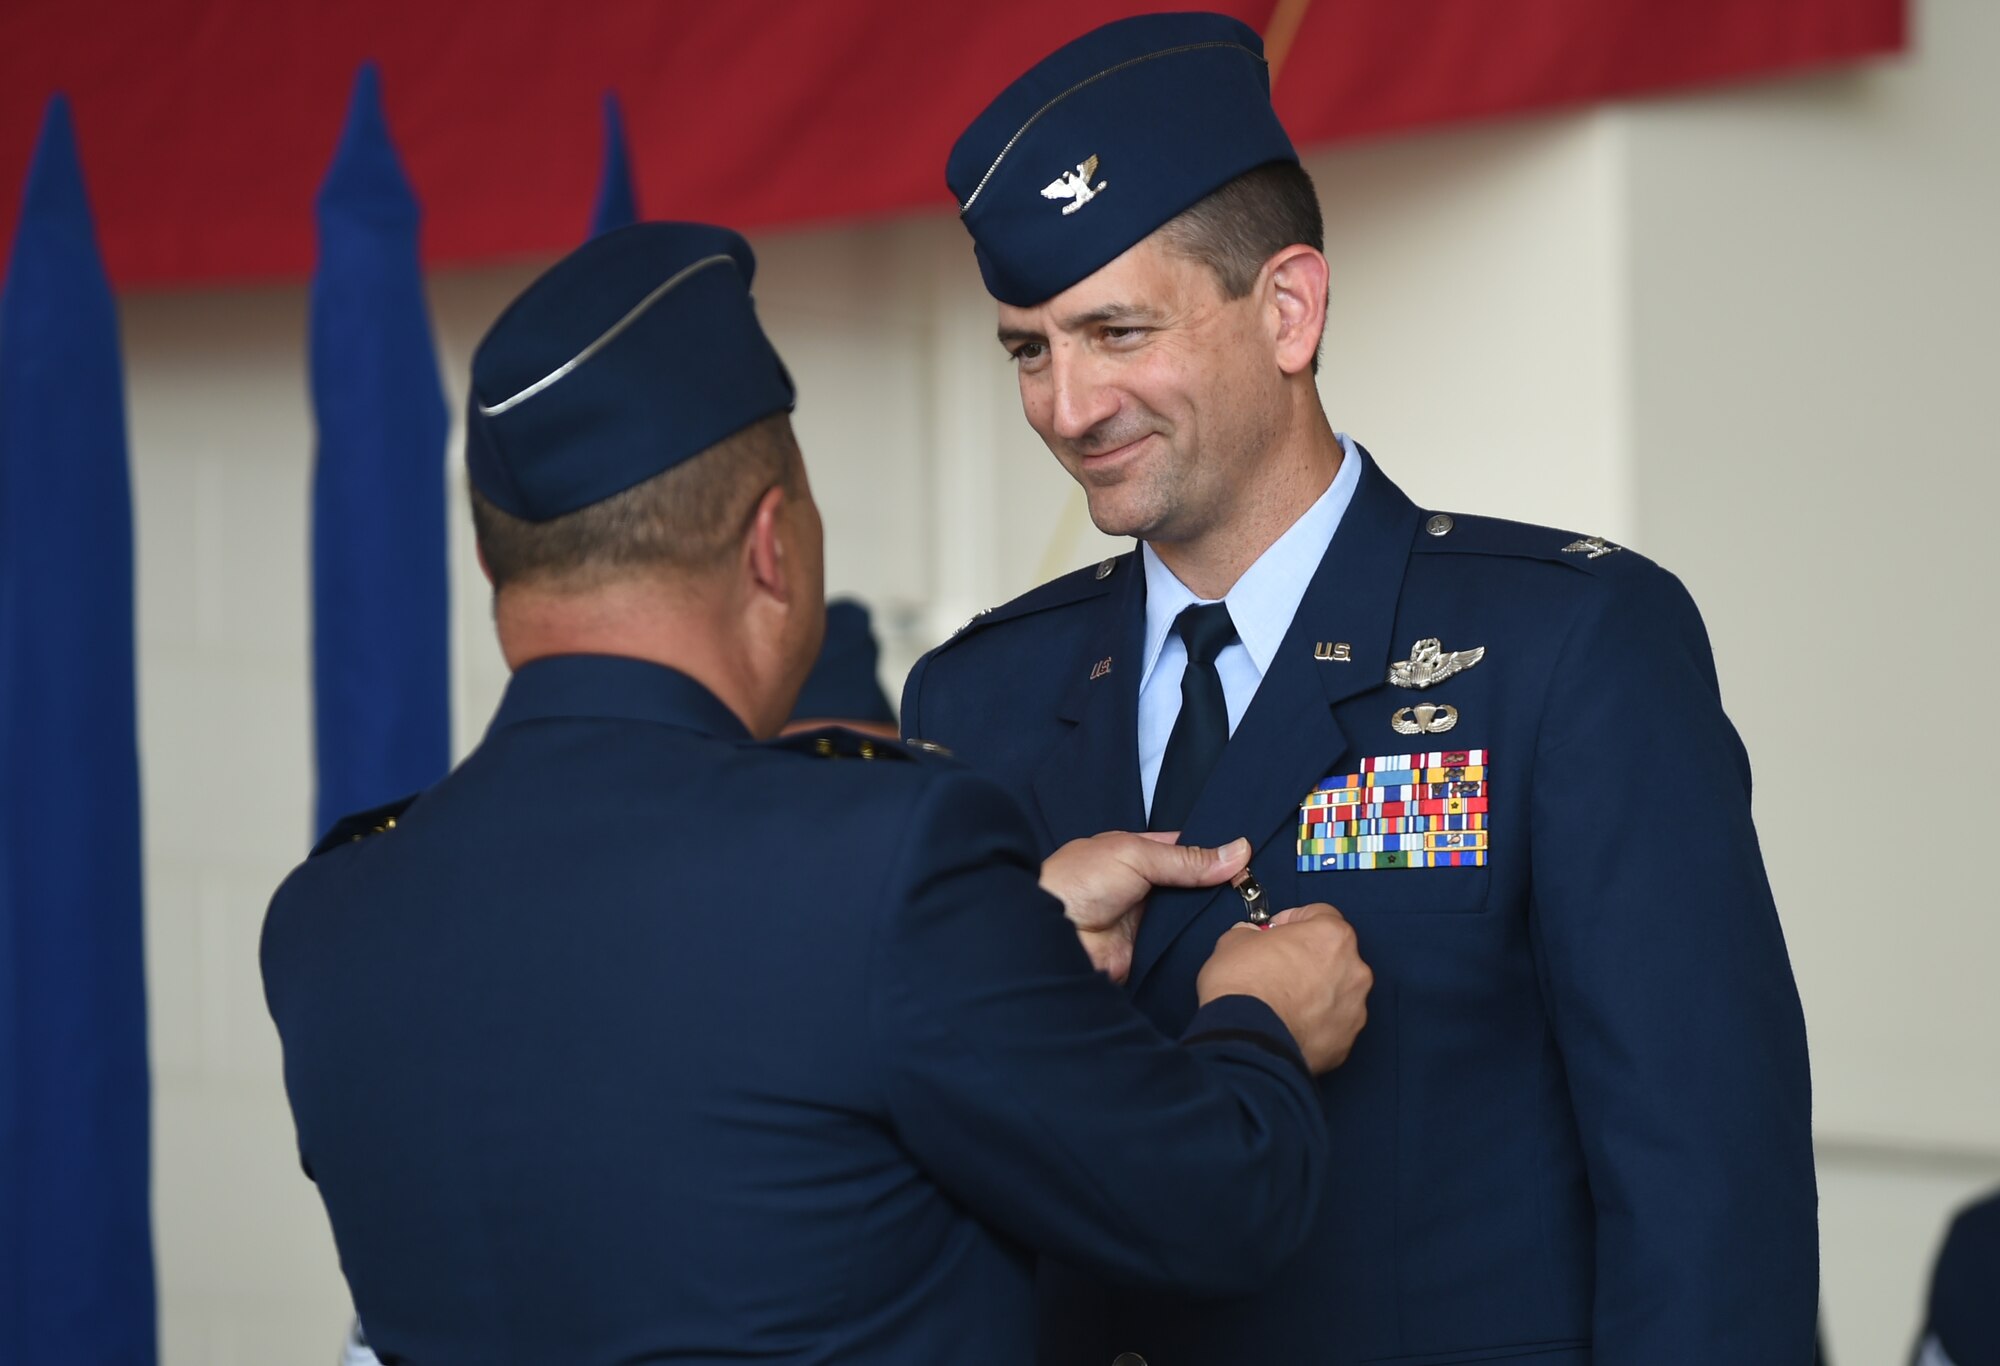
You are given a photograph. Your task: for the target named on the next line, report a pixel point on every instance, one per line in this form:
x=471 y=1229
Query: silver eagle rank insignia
x=1591 y=547
x=1075 y=185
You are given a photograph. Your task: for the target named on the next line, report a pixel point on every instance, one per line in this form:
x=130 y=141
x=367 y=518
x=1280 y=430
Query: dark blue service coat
x=1576 y=1128
x=634 y=1040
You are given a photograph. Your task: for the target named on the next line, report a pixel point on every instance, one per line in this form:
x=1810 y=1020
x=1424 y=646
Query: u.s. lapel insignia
x=1336 y=651
x=1424 y=719
x=1591 y=547
x=1428 y=664
x=1101 y=668
x=1075 y=185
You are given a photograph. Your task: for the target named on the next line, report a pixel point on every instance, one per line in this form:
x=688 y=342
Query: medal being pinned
x=1256 y=908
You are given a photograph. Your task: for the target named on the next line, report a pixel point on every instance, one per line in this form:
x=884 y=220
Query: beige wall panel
x=1476 y=339
x=1814 y=288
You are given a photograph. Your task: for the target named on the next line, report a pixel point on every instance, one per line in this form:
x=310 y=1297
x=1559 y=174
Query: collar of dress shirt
x=1263 y=601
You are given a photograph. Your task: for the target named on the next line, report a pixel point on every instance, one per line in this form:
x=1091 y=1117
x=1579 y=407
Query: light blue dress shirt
x=1261 y=603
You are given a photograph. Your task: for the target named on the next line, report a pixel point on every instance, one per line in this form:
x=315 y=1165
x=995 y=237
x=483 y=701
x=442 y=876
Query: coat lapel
x=1288 y=738
x=1089 y=783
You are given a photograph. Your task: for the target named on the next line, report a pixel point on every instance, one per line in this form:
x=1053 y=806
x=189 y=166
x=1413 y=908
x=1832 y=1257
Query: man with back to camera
x=642 y=1038
x=1578 y=1127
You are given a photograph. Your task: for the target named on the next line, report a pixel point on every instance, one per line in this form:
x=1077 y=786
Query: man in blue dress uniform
x=1577 y=1129
x=843 y=688
x=641 y=1038
x=1962 y=1315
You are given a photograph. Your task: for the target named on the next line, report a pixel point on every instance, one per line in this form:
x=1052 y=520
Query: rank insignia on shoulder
x=839 y=742
x=834 y=747
x=1424 y=810
x=1428 y=664
x=1591 y=547
x=359 y=826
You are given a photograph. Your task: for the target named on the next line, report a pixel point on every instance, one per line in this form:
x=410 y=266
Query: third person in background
x=1962 y=1315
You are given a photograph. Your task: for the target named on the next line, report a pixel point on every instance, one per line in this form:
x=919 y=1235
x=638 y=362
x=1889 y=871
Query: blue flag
x=381 y=648
x=76 y=1256
x=617 y=203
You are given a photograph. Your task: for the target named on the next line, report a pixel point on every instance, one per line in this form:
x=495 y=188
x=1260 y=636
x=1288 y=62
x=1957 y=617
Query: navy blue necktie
x=1202 y=728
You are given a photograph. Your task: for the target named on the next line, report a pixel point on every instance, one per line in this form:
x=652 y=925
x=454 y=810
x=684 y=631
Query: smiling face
x=1161 y=397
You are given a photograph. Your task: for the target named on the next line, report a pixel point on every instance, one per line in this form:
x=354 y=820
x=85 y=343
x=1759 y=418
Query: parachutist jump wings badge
x=1428 y=663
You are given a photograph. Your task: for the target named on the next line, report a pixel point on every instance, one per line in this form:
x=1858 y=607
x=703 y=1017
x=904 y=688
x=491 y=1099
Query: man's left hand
x=1102 y=883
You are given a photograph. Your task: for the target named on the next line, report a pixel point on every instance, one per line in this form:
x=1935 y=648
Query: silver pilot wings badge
x=1075 y=185
x=1428 y=663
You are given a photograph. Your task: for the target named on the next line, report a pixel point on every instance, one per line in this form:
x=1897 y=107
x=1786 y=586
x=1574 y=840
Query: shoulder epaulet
x=1081 y=585
x=838 y=742
x=1453 y=533
x=362 y=824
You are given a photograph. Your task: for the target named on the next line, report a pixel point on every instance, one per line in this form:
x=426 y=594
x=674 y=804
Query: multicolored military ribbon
x=1400 y=811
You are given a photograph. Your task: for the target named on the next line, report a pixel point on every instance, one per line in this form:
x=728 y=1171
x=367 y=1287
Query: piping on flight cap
x=606 y=337
x=1112 y=70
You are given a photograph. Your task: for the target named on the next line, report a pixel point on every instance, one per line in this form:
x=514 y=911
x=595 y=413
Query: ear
x=764 y=545
x=1298 y=277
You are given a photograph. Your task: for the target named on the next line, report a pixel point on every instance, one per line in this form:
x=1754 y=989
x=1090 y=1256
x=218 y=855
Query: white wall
x=219 y=477
x=1812 y=291
x=1747 y=332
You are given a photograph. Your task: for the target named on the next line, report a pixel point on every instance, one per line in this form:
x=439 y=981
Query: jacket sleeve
x=910 y=712
x=1671 y=993
x=1030 y=1088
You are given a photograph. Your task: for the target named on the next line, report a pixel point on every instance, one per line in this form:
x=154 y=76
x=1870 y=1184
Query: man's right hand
x=1307 y=967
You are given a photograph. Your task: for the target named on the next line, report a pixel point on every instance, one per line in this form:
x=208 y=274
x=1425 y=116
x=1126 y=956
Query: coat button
x=1439 y=525
x=1128 y=1359
x=1104 y=572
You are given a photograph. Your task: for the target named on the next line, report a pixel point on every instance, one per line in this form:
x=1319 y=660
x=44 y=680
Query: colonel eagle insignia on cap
x=1075 y=186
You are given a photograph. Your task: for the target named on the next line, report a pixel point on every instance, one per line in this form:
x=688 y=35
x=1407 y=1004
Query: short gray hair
x=683 y=520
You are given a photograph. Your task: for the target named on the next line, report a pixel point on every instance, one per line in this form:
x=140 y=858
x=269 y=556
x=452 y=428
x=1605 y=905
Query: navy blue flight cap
x=843 y=684
x=1104 y=140
x=638 y=350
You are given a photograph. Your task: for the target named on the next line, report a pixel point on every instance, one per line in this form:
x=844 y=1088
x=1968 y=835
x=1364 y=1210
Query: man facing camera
x=645 y=1037
x=1579 y=1122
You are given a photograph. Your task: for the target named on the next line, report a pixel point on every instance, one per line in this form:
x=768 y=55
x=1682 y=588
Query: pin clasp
x=1256 y=906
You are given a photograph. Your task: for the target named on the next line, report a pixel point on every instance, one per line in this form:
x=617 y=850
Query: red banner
x=207 y=124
